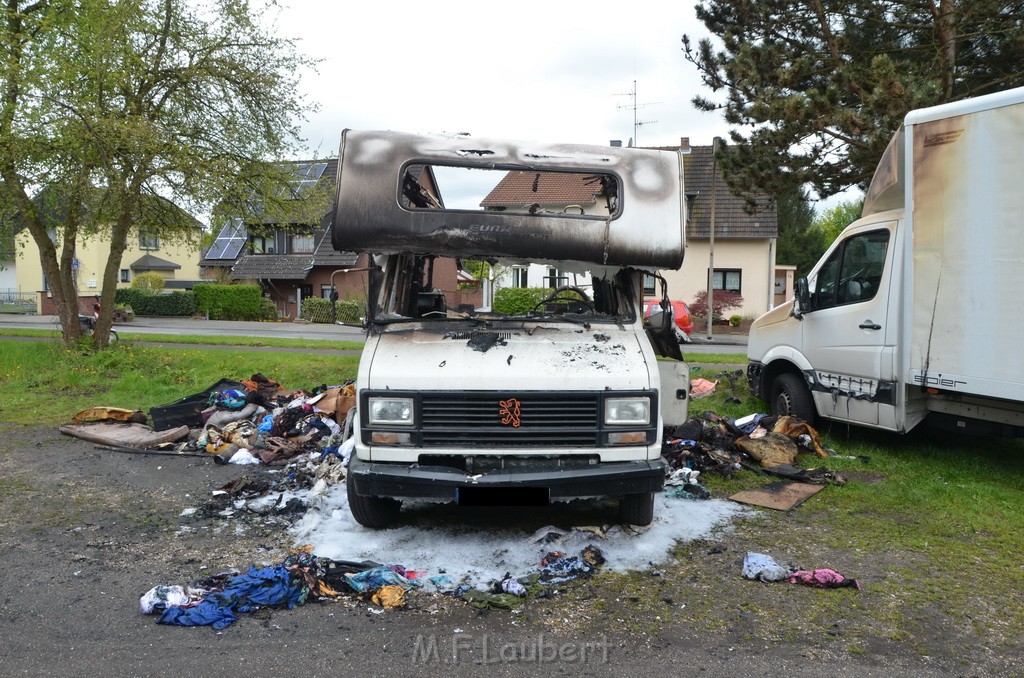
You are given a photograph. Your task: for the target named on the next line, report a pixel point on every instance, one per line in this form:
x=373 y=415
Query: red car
x=680 y=312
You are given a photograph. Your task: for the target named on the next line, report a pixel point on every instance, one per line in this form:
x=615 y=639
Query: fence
x=12 y=301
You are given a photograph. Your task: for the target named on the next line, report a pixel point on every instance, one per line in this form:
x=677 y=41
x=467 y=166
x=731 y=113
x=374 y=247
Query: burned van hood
x=553 y=357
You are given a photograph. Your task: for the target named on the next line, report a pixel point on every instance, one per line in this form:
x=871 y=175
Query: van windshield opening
x=405 y=289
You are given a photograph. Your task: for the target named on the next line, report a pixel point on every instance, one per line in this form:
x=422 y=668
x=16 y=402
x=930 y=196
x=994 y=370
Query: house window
x=728 y=279
x=125 y=275
x=302 y=243
x=648 y=284
x=520 y=277
x=554 y=279
x=325 y=291
x=261 y=244
x=148 y=240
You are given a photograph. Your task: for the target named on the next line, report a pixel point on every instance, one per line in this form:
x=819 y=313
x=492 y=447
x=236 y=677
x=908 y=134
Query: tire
x=373 y=512
x=790 y=396
x=637 y=509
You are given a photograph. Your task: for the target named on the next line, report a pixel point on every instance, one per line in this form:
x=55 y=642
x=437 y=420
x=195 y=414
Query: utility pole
x=711 y=247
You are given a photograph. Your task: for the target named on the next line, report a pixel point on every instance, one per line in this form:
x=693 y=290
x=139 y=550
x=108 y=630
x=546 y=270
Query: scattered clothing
x=763 y=568
x=822 y=578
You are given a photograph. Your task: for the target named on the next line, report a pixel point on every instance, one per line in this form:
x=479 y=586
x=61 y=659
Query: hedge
x=318 y=310
x=144 y=302
x=518 y=300
x=229 y=302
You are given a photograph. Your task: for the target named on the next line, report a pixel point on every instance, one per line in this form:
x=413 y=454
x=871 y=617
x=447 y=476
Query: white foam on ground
x=480 y=546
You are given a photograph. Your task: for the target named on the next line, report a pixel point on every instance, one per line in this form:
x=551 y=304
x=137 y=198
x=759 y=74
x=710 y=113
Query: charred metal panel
x=375 y=211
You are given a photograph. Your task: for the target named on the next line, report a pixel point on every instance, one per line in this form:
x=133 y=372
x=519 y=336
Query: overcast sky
x=549 y=71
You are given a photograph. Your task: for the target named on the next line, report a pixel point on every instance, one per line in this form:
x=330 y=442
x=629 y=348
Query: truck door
x=845 y=337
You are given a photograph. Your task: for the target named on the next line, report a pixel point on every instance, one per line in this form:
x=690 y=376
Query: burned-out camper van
x=559 y=399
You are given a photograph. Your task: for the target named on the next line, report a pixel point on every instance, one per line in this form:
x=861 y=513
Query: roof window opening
x=526 y=191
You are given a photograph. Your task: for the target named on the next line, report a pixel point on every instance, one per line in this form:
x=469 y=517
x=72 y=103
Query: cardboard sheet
x=781 y=496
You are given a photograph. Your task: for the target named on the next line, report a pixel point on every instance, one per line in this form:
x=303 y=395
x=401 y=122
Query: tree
x=799 y=243
x=121 y=102
x=814 y=90
x=831 y=222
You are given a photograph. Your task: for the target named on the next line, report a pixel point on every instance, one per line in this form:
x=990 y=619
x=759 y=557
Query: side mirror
x=803 y=298
x=660 y=315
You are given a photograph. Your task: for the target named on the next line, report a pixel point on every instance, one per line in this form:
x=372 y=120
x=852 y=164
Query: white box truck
x=911 y=314
x=559 y=401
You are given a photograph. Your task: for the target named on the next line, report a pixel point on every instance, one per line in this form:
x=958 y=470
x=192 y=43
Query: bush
x=230 y=302
x=153 y=282
x=518 y=300
x=144 y=302
x=722 y=301
x=268 y=309
x=735 y=320
x=317 y=310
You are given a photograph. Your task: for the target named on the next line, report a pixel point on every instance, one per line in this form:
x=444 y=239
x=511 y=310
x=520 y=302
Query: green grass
x=256 y=342
x=43 y=383
x=716 y=358
x=947 y=512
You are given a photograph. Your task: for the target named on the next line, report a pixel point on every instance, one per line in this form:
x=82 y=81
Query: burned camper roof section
x=646 y=229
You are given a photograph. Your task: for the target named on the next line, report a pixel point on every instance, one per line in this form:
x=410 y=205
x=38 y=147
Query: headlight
x=630 y=411
x=391 y=411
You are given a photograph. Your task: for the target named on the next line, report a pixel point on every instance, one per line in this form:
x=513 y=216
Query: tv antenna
x=635 y=106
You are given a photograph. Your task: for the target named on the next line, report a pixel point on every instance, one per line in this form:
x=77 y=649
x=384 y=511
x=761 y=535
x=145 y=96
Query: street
x=283 y=330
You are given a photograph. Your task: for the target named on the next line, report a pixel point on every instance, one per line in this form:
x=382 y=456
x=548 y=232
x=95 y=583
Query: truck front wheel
x=790 y=396
x=372 y=512
x=637 y=509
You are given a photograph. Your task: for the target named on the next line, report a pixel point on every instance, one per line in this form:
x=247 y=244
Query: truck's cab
x=523 y=407
x=904 y=318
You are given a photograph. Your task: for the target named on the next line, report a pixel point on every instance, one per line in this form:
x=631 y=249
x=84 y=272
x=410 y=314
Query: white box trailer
x=910 y=313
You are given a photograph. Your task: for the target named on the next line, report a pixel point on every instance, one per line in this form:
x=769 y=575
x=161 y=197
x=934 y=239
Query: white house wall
x=754 y=257
x=8 y=276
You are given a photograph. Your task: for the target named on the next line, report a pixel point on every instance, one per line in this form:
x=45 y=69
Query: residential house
x=744 y=250
x=176 y=259
x=744 y=242
x=523 y=191
x=8 y=263
x=293 y=259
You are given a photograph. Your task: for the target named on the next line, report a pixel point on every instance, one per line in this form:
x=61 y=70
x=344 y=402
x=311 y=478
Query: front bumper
x=440 y=482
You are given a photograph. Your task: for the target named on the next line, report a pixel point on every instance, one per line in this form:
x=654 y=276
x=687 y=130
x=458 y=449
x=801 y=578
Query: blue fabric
x=266 y=424
x=375 y=578
x=269 y=586
x=205 y=613
x=231 y=399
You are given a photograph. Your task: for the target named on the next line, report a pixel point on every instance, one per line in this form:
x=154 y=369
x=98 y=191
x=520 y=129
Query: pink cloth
x=701 y=387
x=823 y=578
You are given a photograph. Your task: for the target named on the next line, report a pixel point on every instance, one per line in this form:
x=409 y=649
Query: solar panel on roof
x=229 y=241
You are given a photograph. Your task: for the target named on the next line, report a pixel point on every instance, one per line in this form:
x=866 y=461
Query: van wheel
x=637 y=509
x=372 y=512
x=791 y=396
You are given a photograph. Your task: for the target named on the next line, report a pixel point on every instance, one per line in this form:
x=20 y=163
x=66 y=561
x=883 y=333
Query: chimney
x=684 y=144
x=615 y=143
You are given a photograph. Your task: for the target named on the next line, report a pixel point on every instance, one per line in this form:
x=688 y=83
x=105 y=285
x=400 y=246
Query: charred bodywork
x=641 y=190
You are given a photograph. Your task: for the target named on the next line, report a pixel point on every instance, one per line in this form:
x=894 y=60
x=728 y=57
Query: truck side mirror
x=803 y=298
